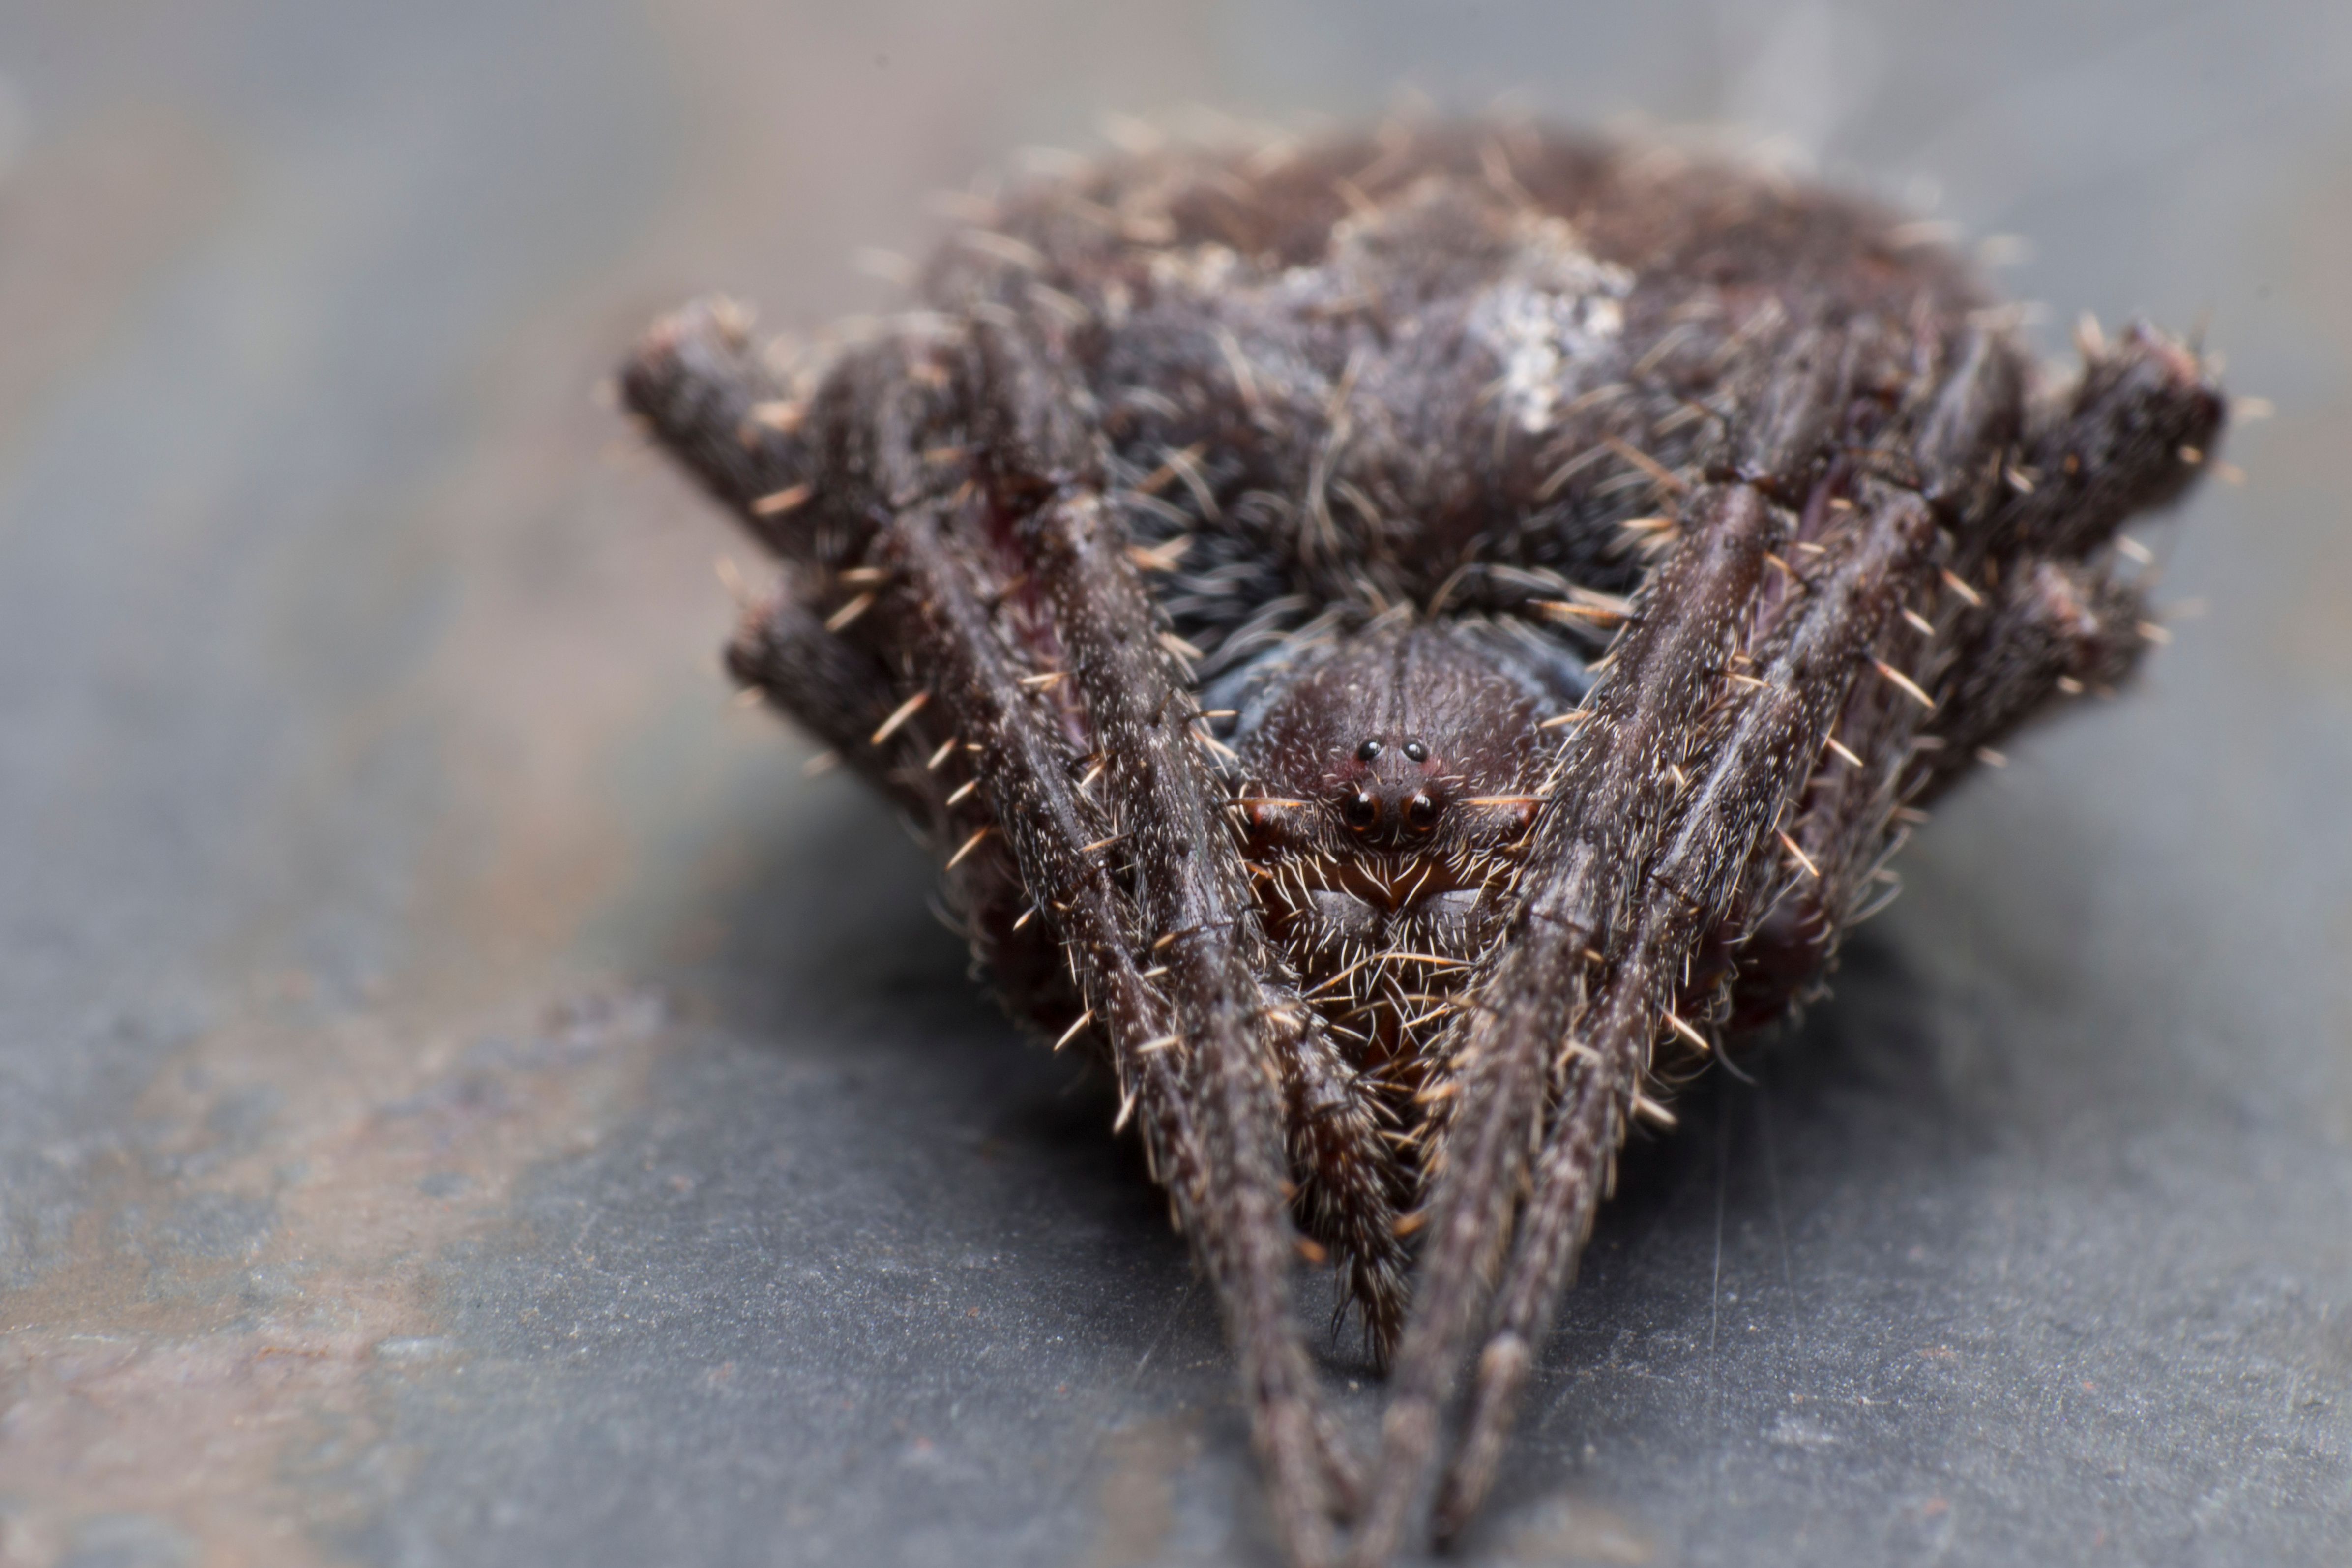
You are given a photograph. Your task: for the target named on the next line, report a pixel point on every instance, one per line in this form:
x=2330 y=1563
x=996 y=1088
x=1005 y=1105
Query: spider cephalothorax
x=1387 y=783
x=1391 y=637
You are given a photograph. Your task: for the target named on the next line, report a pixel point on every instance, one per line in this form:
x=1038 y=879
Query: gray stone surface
x=466 y=1097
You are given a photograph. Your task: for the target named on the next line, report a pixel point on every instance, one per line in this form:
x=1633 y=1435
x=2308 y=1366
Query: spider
x=1407 y=642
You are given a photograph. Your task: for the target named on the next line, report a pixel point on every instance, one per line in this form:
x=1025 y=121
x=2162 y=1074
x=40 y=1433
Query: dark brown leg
x=783 y=650
x=1198 y=911
x=1665 y=675
x=695 y=379
x=2041 y=616
x=1198 y=920
x=1170 y=982
x=1770 y=729
x=2130 y=435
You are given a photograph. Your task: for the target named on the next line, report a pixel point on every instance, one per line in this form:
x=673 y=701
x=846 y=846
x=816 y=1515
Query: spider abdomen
x=1353 y=369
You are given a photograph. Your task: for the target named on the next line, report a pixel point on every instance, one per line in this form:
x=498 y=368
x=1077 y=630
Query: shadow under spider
x=824 y=932
x=1717 y=1259
x=827 y=925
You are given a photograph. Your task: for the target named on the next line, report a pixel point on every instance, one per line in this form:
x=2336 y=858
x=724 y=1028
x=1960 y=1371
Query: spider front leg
x=1188 y=864
x=1664 y=676
x=1190 y=1069
x=1760 y=748
x=1196 y=903
x=1199 y=923
x=1169 y=976
x=1250 y=1045
x=2129 y=436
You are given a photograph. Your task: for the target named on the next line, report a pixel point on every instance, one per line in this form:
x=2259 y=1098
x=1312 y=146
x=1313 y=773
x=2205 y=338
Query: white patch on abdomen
x=1556 y=314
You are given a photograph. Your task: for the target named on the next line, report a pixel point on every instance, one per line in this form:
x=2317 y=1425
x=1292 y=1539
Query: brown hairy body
x=1402 y=642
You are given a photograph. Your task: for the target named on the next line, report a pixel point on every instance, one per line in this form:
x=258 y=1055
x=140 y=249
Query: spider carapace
x=1394 y=637
x=1386 y=783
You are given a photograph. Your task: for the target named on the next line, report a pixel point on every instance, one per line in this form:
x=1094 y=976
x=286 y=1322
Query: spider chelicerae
x=1407 y=641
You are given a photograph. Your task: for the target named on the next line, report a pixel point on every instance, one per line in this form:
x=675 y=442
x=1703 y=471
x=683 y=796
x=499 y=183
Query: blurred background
x=467 y=1098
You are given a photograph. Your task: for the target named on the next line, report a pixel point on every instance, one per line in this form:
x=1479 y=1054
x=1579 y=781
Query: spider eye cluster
x=1396 y=801
x=1396 y=743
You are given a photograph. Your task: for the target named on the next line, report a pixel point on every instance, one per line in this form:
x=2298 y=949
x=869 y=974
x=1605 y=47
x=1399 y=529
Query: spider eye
x=1371 y=748
x=1420 y=813
x=1361 y=810
x=1416 y=750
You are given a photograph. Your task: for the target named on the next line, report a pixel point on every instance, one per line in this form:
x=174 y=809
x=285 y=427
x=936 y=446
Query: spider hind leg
x=2131 y=433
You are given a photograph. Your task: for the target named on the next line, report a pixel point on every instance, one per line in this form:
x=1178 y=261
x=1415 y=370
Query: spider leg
x=1189 y=863
x=695 y=382
x=1761 y=746
x=2014 y=630
x=2130 y=436
x=1196 y=1072
x=2055 y=627
x=1663 y=675
x=783 y=650
x=1842 y=827
x=1199 y=921
x=1194 y=908
x=1971 y=424
x=2131 y=433
x=2140 y=426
